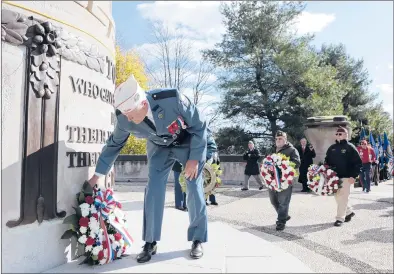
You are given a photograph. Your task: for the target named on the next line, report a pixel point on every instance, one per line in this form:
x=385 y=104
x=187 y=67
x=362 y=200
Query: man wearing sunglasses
x=175 y=131
x=343 y=158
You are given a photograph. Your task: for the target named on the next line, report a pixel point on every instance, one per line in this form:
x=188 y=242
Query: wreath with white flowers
x=98 y=225
x=322 y=180
x=278 y=171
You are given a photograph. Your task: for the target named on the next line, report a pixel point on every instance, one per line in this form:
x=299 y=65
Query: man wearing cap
x=175 y=131
x=281 y=200
x=343 y=158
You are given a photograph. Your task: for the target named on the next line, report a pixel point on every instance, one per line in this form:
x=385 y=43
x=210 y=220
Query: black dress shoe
x=149 y=249
x=280 y=226
x=338 y=223
x=243 y=189
x=288 y=218
x=348 y=218
x=261 y=188
x=214 y=203
x=206 y=203
x=180 y=208
x=197 y=251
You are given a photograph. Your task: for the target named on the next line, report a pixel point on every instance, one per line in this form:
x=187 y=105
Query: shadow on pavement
x=389 y=214
x=378 y=235
x=379 y=204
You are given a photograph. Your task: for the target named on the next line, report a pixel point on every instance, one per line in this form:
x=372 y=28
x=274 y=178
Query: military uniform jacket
x=177 y=121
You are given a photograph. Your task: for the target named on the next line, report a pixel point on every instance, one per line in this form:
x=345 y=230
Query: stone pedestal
x=321 y=133
x=57 y=93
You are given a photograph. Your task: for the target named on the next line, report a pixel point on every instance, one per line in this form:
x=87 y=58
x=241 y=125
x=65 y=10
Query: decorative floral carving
x=42 y=39
x=15 y=28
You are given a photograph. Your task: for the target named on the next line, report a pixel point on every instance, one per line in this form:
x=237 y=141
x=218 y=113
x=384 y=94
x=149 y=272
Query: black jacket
x=290 y=151
x=252 y=166
x=177 y=167
x=306 y=156
x=343 y=158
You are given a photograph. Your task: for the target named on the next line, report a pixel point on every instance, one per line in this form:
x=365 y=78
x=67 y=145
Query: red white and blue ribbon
x=106 y=204
x=269 y=165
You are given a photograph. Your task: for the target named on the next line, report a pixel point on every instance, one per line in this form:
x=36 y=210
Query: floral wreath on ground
x=322 y=180
x=99 y=226
x=278 y=172
x=207 y=179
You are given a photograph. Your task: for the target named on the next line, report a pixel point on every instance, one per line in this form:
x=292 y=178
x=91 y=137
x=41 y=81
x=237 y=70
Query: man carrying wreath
x=343 y=158
x=175 y=131
x=281 y=200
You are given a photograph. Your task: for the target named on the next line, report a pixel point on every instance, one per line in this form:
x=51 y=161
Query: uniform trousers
x=160 y=162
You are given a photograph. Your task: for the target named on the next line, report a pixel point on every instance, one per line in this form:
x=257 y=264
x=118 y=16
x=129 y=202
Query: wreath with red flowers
x=322 y=180
x=98 y=225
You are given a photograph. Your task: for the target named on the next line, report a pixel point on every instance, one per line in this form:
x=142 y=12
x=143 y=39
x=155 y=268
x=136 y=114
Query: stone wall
x=134 y=168
x=57 y=92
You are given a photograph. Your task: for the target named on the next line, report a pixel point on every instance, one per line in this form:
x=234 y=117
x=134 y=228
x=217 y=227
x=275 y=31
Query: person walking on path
x=180 y=197
x=368 y=157
x=281 y=200
x=343 y=158
x=212 y=197
x=307 y=153
x=251 y=156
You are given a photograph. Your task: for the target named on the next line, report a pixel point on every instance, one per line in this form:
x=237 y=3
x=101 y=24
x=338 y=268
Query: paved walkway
x=228 y=250
x=242 y=235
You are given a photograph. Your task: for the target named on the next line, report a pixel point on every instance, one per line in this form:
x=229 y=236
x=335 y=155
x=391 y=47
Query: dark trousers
x=366 y=176
x=212 y=198
x=180 y=197
x=281 y=202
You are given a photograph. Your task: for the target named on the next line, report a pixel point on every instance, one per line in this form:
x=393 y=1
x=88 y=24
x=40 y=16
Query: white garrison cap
x=128 y=95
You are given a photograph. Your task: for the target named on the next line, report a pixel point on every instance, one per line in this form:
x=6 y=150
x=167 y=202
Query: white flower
x=92 y=234
x=102 y=261
x=335 y=186
x=97 y=249
x=93 y=209
x=88 y=248
x=267 y=177
x=83 y=229
x=94 y=226
x=329 y=172
x=85 y=209
x=82 y=239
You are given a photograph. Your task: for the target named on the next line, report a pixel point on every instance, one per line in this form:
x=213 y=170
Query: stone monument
x=58 y=78
x=320 y=131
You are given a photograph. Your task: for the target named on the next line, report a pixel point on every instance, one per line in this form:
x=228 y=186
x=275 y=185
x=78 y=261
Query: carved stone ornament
x=14 y=28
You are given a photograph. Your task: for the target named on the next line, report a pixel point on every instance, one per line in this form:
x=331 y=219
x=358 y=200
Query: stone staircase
x=227 y=251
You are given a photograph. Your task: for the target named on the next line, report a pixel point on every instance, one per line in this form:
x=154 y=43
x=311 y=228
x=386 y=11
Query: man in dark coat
x=251 y=156
x=281 y=200
x=307 y=153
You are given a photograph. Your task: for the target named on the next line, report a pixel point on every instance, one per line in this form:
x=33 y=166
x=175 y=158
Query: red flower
x=84 y=222
x=291 y=173
x=105 y=244
x=89 y=200
x=95 y=215
x=101 y=255
x=90 y=241
x=117 y=236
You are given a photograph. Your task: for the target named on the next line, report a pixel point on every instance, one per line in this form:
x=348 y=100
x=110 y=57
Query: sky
x=364 y=27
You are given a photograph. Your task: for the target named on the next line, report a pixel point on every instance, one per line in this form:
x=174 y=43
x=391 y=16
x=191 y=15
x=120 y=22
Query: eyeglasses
x=338 y=134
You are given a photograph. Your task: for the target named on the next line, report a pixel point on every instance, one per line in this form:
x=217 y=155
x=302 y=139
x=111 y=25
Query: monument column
x=58 y=79
x=320 y=131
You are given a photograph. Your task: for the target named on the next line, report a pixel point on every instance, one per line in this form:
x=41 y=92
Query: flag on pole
x=362 y=134
x=386 y=145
